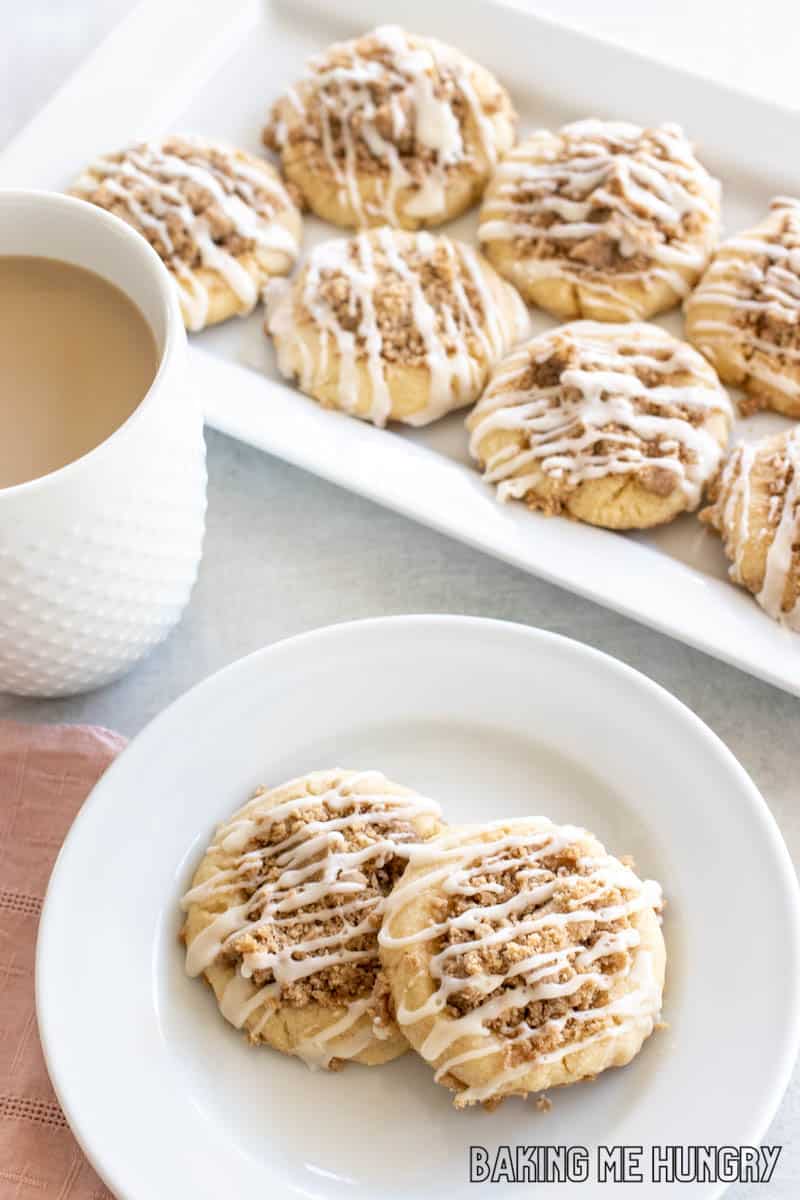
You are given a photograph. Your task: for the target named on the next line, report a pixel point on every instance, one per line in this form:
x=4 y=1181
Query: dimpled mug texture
x=98 y=559
x=88 y=587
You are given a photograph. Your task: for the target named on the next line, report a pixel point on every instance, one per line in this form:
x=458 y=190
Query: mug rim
x=174 y=329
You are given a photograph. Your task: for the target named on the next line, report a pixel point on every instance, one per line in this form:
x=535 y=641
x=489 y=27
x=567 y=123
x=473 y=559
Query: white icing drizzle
x=410 y=69
x=755 y=274
x=605 y=179
x=734 y=514
x=456 y=373
x=562 y=424
x=459 y=864
x=149 y=181
x=283 y=883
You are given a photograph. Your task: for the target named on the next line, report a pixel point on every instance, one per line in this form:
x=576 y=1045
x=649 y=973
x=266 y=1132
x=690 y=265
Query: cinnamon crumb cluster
x=439 y=274
x=331 y=127
x=780 y=475
x=774 y=323
x=339 y=983
x=573 y=892
x=548 y=372
x=161 y=196
x=604 y=250
x=749 y=536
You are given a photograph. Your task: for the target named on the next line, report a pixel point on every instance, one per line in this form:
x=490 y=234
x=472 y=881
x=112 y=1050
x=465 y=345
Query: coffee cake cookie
x=222 y=220
x=756 y=511
x=391 y=129
x=522 y=956
x=616 y=425
x=389 y=325
x=602 y=219
x=283 y=913
x=745 y=313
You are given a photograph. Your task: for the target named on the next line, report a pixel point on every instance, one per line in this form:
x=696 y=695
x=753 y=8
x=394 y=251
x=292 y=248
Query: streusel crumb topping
x=298 y=886
x=606 y=249
x=361 y=97
x=756 y=509
x=287 y=926
x=533 y=944
x=456 y=303
x=602 y=439
x=526 y=1026
x=165 y=190
x=605 y=197
x=771 y=287
x=591 y=400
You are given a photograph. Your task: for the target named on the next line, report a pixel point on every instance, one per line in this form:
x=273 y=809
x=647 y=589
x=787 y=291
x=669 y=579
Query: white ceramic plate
x=495 y=720
x=215 y=68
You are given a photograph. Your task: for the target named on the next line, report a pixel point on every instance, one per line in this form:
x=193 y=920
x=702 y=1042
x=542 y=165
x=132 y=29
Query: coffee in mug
x=76 y=358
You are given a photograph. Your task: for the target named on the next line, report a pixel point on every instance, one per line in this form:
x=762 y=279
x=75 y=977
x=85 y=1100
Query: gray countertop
x=286 y=552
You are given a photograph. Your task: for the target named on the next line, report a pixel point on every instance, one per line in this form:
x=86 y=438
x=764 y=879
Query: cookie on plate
x=393 y=129
x=283 y=913
x=616 y=425
x=745 y=313
x=221 y=219
x=391 y=325
x=756 y=511
x=522 y=956
x=602 y=219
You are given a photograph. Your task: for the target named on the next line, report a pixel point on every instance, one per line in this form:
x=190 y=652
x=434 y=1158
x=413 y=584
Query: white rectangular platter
x=211 y=68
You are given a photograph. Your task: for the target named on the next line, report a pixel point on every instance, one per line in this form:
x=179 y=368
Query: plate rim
x=532 y=635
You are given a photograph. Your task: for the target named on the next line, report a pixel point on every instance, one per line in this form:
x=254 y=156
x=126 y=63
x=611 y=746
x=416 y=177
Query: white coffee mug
x=98 y=559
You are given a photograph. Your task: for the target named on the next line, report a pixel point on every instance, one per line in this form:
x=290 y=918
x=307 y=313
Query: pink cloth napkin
x=46 y=772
